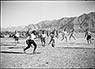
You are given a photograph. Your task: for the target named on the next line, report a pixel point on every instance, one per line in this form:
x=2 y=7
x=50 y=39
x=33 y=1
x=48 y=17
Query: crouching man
x=31 y=40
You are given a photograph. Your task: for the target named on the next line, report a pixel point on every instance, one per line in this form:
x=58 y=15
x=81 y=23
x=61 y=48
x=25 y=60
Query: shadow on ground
x=7 y=44
x=75 y=48
x=10 y=43
x=73 y=43
x=7 y=52
x=16 y=47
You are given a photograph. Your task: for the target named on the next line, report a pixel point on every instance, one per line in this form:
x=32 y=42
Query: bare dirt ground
x=73 y=54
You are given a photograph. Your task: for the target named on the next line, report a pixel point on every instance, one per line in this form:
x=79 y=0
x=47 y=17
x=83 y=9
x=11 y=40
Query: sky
x=23 y=13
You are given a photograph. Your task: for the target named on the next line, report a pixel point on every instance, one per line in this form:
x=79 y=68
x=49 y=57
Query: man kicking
x=30 y=40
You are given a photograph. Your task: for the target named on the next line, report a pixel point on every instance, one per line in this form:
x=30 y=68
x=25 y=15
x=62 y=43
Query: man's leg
x=70 y=37
x=44 y=41
x=62 y=37
x=66 y=38
x=53 y=42
x=73 y=37
x=57 y=36
x=27 y=47
x=17 y=39
x=50 y=41
x=87 y=40
x=90 y=41
x=35 y=46
x=28 y=44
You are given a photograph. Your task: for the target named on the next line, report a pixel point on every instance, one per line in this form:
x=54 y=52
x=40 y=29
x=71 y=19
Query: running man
x=64 y=35
x=72 y=34
x=52 y=39
x=43 y=38
x=30 y=40
x=88 y=36
x=16 y=37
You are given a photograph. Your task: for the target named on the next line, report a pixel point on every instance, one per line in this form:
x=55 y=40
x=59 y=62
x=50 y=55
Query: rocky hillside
x=19 y=28
x=78 y=23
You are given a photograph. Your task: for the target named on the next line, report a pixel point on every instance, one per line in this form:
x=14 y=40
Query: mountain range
x=79 y=23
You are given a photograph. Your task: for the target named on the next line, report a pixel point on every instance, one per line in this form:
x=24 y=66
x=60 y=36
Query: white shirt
x=65 y=32
x=32 y=37
x=43 y=35
x=17 y=34
x=89 y=33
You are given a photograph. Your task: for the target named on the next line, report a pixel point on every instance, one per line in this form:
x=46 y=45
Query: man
x=30 y=40
x=43 y=38
x=64 y=35
x=72 y=34
x=16 y=37
x=88 y=36
x=52 y=39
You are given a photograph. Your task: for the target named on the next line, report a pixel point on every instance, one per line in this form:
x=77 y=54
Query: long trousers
x=29 y=42
x=53 y=42
x=43 y=41
x=72 y=36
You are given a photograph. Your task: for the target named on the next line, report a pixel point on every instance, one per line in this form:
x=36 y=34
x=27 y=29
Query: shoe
x=52 y=45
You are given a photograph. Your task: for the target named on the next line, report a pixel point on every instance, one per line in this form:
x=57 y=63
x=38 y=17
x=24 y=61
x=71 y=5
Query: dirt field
x=73 y=54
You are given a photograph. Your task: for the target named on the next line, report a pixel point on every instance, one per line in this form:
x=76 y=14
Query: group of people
x=66 y=34
x=30 y=40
